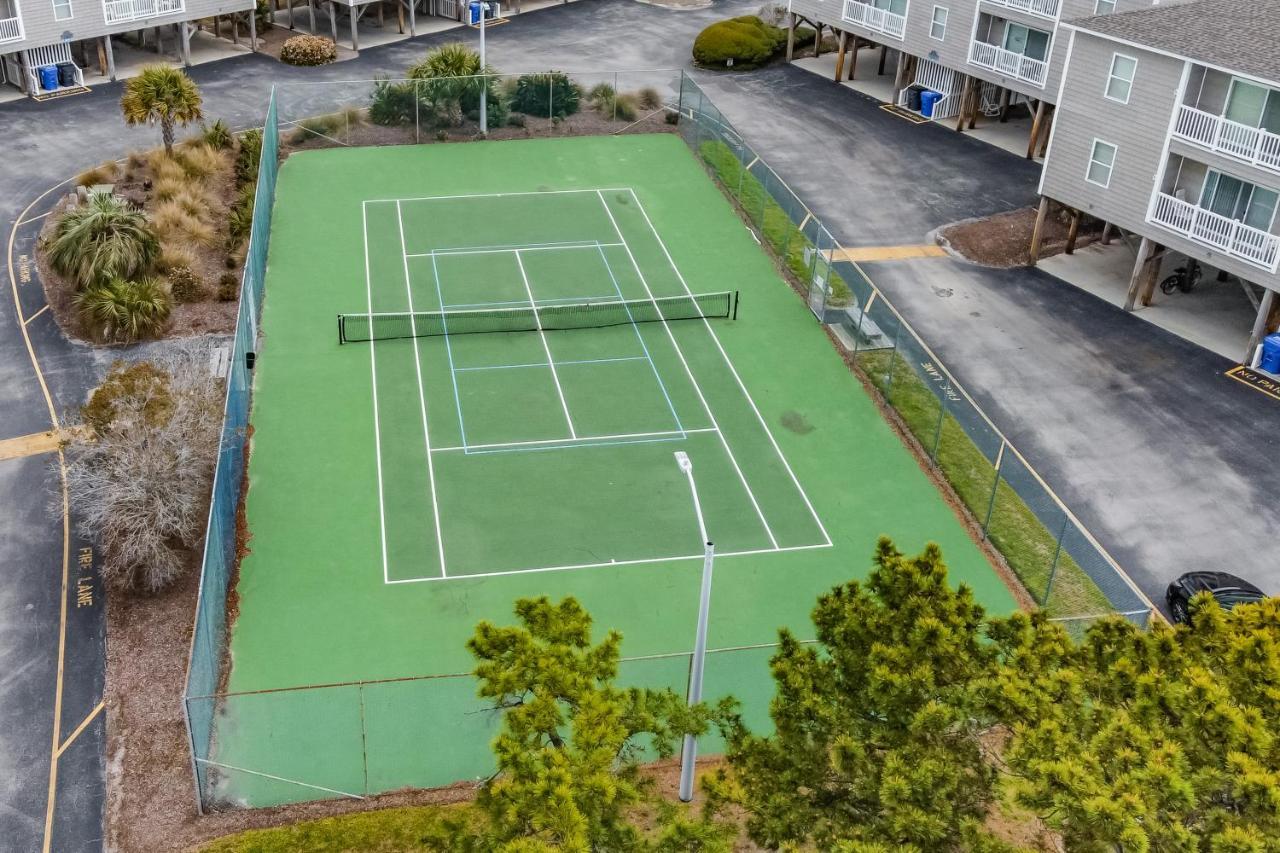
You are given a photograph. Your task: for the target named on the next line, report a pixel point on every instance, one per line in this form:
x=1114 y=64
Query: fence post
x=741 y=154
x=417 y=99
x=364 y=749
x=888 y=376
x=1053 y=568
x=191 y=741
x=937 y=432
x=995 y=486
x=679 y=97
x=551 y=96
x=615 y=96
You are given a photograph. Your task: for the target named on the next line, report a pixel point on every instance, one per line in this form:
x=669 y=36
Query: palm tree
x=102 y=239
x=161 y=94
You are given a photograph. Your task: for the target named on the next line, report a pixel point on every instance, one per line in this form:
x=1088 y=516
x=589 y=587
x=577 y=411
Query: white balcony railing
x=1211 y=229
x=880 y=20
x=1007 y=62
x=120 y=11
x=1043 y=8
x=1217 y=133
x=10 y=29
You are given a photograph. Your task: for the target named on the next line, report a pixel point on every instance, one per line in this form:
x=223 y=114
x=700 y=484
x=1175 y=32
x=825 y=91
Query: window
x=1120 y=81
x=938 y=27
x=897 y=7
x=1239 y=200
x=1104 y=7
x=61 y=10
x=1026 y=41
x=1100 y=163
x=1253 y=105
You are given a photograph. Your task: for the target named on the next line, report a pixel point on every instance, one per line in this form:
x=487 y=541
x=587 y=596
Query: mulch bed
x=1004 y=240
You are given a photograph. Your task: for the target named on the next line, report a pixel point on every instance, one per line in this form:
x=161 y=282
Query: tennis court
x=527 y=333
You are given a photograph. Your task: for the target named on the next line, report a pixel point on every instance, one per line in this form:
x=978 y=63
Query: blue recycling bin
x=927 y=99
x=48 y=77
x=474 y=10
x=1270 y=361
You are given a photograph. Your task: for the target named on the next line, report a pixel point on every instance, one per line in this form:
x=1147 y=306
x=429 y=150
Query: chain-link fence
x=209 y=637
x=1060 y=564
x=362 y=738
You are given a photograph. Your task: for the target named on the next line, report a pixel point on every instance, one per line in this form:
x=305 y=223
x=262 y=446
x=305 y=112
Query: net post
x=736 y=295
x=340 y=334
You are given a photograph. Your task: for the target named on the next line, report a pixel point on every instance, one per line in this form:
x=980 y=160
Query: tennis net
x=572 y=315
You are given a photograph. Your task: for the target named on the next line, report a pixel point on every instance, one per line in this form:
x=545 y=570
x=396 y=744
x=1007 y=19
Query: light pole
x=690 y=751
x=484 y=81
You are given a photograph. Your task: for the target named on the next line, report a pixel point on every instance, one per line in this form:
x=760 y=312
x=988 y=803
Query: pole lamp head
x=682 y=459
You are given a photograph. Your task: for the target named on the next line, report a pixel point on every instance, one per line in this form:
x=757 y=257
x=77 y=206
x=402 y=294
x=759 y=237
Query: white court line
x=501 y=195
x=551 y=362
x=501 y=250
x=711 y=330
x=688 y=370
x=583 y=440
x=373 y=368
x=422 y=394
x=643 y=561
x=558 y=363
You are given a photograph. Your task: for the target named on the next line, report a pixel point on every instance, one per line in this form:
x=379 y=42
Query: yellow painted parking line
x=34 y=444
x=888 y=253
x=1255 y=380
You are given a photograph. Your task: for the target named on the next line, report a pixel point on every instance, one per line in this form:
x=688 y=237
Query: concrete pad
x=866 y=79
x=1012 y=135
x=1216 y=315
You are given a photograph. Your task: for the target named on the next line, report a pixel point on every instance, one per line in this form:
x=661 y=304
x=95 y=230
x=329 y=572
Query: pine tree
x=570 y=743
x=879 y=727
x=1165 y=739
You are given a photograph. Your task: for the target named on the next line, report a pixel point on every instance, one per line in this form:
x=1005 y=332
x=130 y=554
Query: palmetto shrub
x=308 y=50
x=450 y=81
x=218 y=136
x=124 y=311
x=248 y=155
x=394 y=104
x=102 y=239
x=546 y=95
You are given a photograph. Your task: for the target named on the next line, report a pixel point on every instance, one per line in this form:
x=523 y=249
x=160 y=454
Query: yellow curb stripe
x=888 y=253
x=80 y=728
x=34 y=444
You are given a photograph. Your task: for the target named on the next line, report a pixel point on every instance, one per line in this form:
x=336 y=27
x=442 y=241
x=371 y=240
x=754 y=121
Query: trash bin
x=1270 y=361
x=48 y=77
x=474 y=12
x=927 y=100
x=66 y=73
x=913 y=99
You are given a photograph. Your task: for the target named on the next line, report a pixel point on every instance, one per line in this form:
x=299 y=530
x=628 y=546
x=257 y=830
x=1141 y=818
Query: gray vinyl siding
x=1137 y=129
x=88 y=20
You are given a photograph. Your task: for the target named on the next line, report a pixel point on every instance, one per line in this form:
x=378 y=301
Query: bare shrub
x=308 y=50
x=140 y=481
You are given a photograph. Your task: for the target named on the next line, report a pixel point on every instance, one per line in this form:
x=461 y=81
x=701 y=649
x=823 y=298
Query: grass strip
x=386 y=830
x=787 y=241
x=1015 y=530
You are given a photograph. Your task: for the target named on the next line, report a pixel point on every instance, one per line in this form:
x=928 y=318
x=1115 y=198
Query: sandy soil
x=1004 y=240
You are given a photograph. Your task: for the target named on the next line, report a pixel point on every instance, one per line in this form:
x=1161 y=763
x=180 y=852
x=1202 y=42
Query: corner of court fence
x=1061 y=565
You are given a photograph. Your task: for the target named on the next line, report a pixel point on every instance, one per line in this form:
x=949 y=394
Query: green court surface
x=403 y=489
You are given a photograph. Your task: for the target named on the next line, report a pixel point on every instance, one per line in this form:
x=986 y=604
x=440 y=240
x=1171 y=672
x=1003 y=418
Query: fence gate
x=819 y=276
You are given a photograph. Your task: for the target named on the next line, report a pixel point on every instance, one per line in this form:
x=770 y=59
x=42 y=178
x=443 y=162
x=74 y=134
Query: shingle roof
x=1238 y=35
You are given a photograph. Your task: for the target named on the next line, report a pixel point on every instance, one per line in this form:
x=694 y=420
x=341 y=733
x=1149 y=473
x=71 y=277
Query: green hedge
x=788 y=241
x=745 y=42
x=1016 y=532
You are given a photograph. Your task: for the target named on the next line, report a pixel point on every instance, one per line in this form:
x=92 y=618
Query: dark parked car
x=1228 y=589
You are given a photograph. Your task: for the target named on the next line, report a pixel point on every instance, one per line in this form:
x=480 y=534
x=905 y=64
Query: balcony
x=1044 y=8
x=1008 y=63
x=123 y=11
x=1218 y=232
x=873 y=18
x=1240 y=141
x=10 y=29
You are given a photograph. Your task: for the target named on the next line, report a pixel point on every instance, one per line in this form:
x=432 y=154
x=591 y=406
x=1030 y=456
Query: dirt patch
x=1004 y=240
